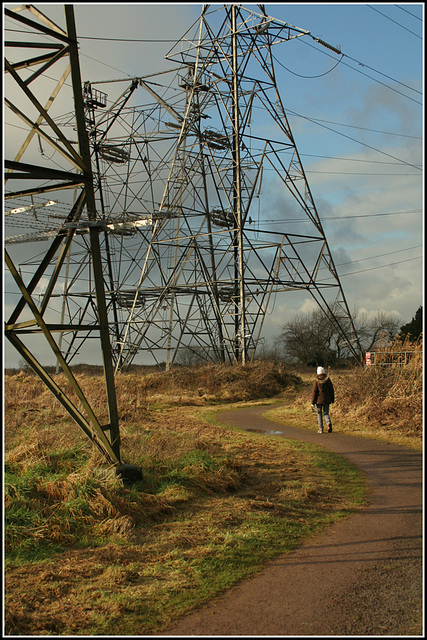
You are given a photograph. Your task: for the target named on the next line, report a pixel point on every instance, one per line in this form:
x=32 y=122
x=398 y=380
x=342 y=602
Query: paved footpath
x=361 y=577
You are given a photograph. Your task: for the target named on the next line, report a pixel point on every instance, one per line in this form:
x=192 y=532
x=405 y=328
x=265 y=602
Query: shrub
x=388 y=395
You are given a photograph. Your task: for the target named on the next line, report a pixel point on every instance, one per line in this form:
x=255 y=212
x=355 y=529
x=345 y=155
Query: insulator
x=328 y=46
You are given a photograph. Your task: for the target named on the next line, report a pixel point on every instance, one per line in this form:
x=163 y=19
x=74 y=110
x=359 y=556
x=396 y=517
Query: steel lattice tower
x=156 y=232
x=54 y=49
x=205 y=270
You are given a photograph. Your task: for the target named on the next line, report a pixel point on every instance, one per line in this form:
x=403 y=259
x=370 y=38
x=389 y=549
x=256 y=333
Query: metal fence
x=388 y=358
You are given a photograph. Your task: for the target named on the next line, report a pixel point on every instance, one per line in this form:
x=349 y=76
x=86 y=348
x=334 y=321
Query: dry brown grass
x=129 y=557
x=157 y=433
x=388 y=396
x=206 y=384
x=165 y=546
x=384 y=401
x=28 y=403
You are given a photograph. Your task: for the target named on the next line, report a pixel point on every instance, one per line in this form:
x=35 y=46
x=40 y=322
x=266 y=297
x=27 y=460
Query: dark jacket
x=323 y=390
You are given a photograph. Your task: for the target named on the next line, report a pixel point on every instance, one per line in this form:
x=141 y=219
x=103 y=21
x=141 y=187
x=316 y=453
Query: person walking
x=322 y=396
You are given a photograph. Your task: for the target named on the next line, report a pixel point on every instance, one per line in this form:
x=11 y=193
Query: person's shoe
x=329 y=428
x=320 y=431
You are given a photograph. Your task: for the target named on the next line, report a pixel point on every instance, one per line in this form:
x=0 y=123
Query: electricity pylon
x=205 y=267
x=179 y=182
x=54 y=49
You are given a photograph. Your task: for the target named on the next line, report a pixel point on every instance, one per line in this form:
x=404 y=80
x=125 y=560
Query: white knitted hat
x=320 y=370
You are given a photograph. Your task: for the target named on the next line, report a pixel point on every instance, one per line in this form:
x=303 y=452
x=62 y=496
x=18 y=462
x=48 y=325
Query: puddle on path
x=268 y=433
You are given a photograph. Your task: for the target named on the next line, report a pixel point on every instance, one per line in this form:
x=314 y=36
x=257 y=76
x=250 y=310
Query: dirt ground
x=363 y=577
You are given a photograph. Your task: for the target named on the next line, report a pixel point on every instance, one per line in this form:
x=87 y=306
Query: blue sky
x=375 y=126
x=356 y=118
x=367 y=111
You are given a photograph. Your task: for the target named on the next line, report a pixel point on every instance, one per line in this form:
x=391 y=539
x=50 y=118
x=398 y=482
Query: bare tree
x=313 y=339
x=309 y=339
x=271 y=351
x=384 y=326
x=190 y=356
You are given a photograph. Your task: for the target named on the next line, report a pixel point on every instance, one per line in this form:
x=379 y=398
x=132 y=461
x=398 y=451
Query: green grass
x=217 y=513
x=88 y=555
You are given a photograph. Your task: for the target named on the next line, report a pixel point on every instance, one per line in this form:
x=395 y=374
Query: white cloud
x=354 y=185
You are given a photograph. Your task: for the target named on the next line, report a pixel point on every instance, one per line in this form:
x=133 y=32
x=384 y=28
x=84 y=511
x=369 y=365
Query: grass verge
x=87 y=555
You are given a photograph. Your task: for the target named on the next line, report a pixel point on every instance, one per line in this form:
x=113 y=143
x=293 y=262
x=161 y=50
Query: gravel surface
x=362 y=577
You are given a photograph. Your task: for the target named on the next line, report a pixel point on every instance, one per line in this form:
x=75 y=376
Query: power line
x=381 y=255
x=351 y=273
x=353 y=173
x=385 y=76
x=107 y=39
x=294 y=73
x=358 y=141
x=362 y=64
x=139 y=40
x=315 y=121
x=363 y=160
x=351 y=126
x=147 y=41
x=312 y=155
x=363 y=215
x=156 y=41
x=374 y=215
x=383 y=266
x=319 y=121
x=395 y=22
x=406 y=11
